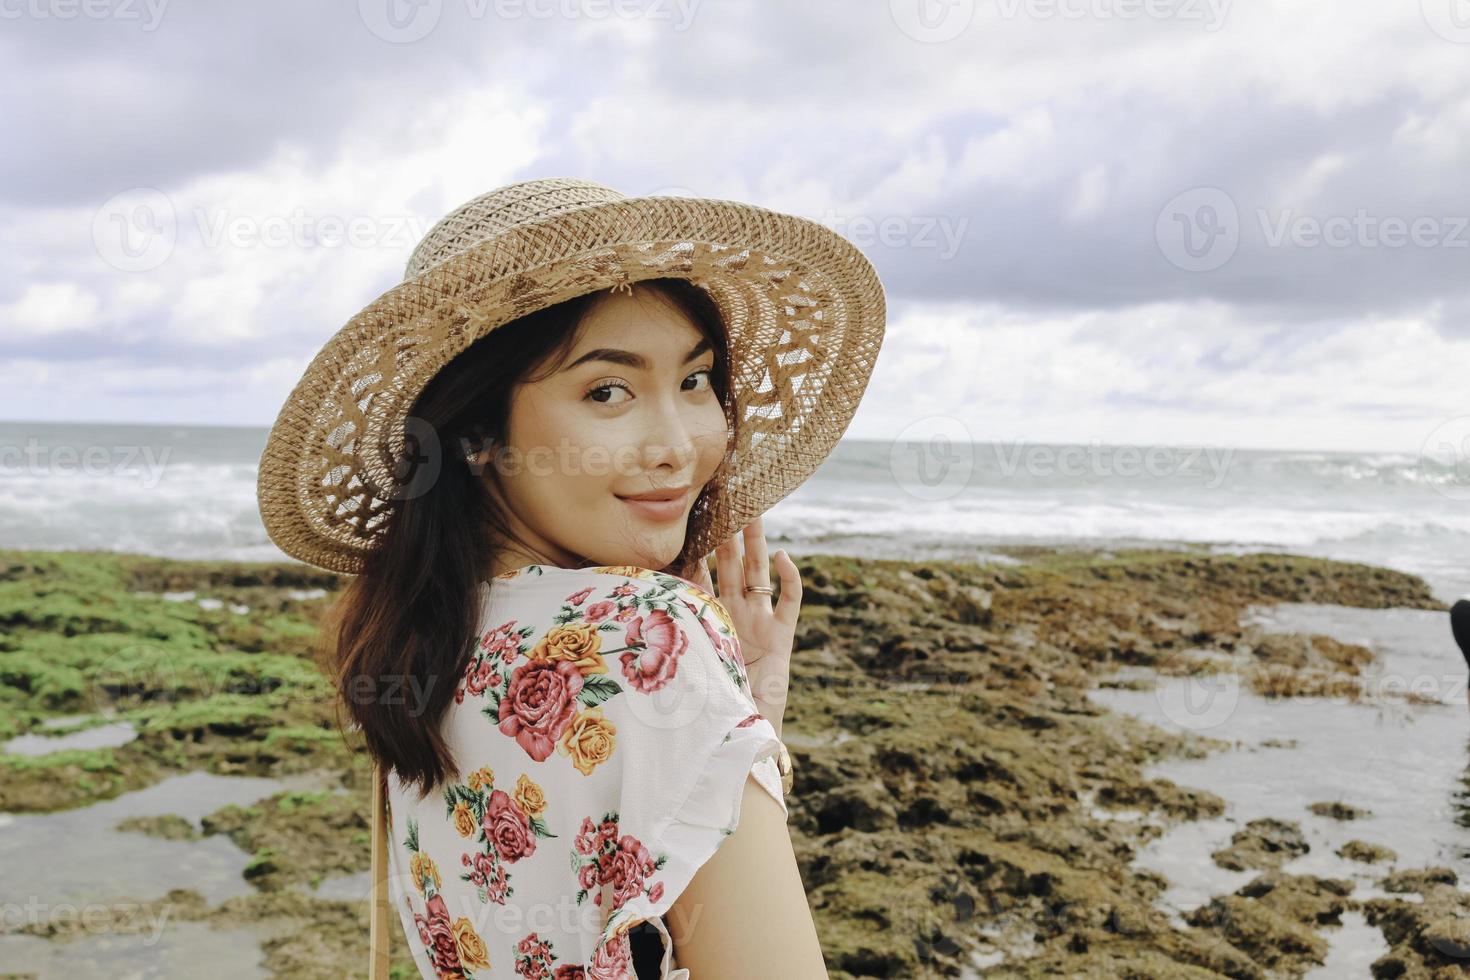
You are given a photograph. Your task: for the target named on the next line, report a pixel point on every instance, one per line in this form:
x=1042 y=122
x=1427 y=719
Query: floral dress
x=604 y=729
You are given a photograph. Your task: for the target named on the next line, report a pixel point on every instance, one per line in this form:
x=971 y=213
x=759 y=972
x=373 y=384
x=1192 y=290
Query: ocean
x=189 y=491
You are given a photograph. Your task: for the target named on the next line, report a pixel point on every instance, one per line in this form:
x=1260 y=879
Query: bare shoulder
x=745 y=913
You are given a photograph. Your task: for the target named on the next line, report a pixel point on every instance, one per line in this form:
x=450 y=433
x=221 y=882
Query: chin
x=654 y=556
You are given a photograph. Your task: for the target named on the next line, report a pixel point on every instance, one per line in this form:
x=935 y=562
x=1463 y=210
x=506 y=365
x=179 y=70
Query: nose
x=668 y=438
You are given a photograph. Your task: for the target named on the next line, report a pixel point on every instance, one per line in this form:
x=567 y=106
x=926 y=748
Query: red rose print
x=631 y=864
x=569 y=971
x=508 y=828
x=612 y=960
x=588 y=837
x=497 y=886
x=502 y=641
x=539 y=704
x=587 y=876
x=481 y=866
x=656 y=892
x=425 y=936
x=600 y=610
x=664 y=643
x=480 y=678
x=714 y=635
x=442 y=946
x=577 y=598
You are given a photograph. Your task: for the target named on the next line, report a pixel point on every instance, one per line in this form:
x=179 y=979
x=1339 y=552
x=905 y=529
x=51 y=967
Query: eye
x=608 y=386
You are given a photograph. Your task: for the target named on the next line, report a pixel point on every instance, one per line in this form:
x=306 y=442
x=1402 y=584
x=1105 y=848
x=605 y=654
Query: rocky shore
x=955 y=785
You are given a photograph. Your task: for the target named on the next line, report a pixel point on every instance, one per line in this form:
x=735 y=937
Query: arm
x=745 y=913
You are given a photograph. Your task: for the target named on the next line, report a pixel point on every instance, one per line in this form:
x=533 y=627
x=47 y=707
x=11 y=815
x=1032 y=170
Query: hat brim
x=804 y=309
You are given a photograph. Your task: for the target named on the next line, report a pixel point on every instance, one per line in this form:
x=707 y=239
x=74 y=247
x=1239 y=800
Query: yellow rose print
x=630 y=571
x=589 y=740
x=423 y=867
x=529 y=796
x=472 y=952
x=576 y=643
x=481 y=778
x=464 y=820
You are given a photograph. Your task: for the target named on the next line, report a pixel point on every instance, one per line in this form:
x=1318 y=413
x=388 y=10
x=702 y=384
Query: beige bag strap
x=378 y=931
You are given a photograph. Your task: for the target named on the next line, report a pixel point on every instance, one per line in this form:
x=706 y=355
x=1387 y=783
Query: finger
x=727 y=562
x=790 y=605
x=757 y=565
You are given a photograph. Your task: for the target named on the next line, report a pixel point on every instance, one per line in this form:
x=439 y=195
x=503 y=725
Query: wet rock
x=1267 y=937
x=168 y=826
x=1357 y=850
x=1428 y=938
x=1450 y=937
x=1338 y=810
x=1419 y=880
x=1262 y=844
x=864 y=806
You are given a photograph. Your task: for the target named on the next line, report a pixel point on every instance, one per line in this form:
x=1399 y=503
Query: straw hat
x=803 y=308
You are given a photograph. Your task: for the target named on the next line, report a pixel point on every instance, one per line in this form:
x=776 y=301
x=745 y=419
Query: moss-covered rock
x=954 y=782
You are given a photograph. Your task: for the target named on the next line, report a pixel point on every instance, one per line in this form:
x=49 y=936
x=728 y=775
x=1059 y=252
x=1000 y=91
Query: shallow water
x=61 y=865
x=99 y=737
x=231 y=954
x=1404 y=762
x=342 y=888
x=75 y=856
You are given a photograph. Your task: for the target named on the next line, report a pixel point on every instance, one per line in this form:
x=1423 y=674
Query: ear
x=477 y=452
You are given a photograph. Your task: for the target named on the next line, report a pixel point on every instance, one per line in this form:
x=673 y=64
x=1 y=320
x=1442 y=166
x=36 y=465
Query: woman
x=566 y=710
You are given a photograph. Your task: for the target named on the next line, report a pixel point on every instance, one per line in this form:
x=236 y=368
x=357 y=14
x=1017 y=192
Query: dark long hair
x=401 y=634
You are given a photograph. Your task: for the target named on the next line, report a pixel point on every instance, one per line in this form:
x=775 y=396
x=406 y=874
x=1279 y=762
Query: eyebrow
x=615 y=356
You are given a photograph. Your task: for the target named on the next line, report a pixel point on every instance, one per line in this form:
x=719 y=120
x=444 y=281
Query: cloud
x=1013 y=185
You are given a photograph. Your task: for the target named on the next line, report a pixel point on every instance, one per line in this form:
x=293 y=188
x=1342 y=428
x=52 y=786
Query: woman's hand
x=765 y=630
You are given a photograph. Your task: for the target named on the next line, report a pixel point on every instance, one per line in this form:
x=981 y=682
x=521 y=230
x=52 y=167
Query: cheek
x=711 y=439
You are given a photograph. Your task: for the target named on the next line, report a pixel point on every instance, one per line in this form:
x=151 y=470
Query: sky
x=1175 y=222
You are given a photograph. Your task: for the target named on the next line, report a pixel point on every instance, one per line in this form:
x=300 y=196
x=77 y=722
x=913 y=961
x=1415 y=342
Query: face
x=630 y=410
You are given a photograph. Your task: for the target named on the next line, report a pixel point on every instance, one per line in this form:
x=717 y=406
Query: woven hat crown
x=497 y=212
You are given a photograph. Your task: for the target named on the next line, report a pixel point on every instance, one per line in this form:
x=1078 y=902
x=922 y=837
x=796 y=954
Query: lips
x=673 y=493
x=659 y=506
